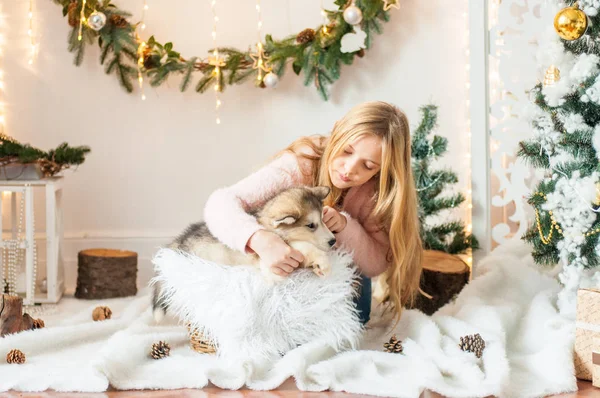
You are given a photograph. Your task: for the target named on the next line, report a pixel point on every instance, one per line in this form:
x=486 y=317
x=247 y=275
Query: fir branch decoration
x=51 y=163
x=314 y=52
x=451 y=236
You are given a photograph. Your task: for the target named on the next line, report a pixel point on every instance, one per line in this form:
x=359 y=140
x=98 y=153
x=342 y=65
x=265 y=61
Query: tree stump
x=444 y=276
x=106 y=273
x=12 y=319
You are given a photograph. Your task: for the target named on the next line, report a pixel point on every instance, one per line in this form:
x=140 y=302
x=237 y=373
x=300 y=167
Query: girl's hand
x=274 y=253
x=333 y=219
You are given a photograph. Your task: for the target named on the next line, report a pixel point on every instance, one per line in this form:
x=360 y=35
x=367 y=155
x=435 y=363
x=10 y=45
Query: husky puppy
x=294 y=214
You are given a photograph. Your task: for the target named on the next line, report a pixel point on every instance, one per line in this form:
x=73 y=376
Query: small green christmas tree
x=450 y=236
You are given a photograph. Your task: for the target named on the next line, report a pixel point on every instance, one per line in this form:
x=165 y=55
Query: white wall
x=154 y=162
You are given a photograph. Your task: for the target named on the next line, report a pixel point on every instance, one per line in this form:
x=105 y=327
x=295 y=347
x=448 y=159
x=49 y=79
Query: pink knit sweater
x=227 y=219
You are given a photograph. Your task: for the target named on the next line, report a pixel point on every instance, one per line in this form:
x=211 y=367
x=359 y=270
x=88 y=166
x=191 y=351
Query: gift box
x=587 y=329
x=596 y=363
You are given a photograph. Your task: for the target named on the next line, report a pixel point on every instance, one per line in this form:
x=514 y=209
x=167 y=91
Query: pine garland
x=449 y=237
x=51 y=162
x=319 y=58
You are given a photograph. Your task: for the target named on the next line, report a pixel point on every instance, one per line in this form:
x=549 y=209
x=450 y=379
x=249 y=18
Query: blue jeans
x=363 y=300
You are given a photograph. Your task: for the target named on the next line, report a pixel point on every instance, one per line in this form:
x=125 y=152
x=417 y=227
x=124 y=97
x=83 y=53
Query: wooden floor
x=287 y=390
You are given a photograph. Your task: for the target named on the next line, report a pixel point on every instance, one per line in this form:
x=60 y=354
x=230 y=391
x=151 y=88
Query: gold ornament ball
x=570 y=23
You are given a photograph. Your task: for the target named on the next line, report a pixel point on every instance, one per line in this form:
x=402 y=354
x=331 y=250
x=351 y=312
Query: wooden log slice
x=444 y=276
x=106 y=273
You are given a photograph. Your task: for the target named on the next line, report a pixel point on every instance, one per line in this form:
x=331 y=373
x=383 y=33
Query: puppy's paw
x=269 y=276
x=321 y=266
x=273 y=279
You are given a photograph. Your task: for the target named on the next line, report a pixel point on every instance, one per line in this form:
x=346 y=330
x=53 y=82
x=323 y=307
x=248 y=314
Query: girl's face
x=358 y=162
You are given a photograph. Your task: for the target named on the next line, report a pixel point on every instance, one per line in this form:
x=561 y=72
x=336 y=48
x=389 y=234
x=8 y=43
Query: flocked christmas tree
x=448 y=236
x=565 y=117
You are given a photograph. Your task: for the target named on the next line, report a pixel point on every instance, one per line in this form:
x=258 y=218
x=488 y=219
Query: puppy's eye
x=312 y=225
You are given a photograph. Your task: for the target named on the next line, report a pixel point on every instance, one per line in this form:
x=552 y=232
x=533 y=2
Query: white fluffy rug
x=528 y=347
x=247 y=317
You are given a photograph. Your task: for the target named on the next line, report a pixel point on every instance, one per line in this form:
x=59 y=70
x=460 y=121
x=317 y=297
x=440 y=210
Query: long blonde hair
x=396 y=208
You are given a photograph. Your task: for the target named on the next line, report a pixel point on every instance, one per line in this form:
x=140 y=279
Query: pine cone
x=48 y=167
x=361 y=53
x=160 y=350
x=151 y=61
x=101 y=313
x=394 y=345
x=118 y=21
x=72 y=14
x=472 y=343
x=38 y=324
x=15 y=356
x=306 y=36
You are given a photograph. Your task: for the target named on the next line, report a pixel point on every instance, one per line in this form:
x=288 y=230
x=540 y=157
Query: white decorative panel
x=514 y=29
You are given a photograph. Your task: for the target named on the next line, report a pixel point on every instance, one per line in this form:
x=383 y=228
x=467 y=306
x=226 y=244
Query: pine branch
x=125 y=74
x=187 y=77
x=533 y=153
x=439 y=145
x=434 y=206
x=51 y=162
x=64 y=154
x=241 y=77
x=428 y=120
x=447 y=228
x=204 y=83
x=432 y=242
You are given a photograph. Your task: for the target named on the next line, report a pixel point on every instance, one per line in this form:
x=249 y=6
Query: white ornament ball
x=271 y=80
x=44 y=286
x=353 y=15
x=96 y=20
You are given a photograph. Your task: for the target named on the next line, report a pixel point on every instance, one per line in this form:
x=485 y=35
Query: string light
x=325 y=20
x=30 y=33
x=469 y=191
x=140 y=51
x=260 y=61
x=81 y=21
x=140 y=65
x=144 y=9
x=2 y=104
x=216 y=62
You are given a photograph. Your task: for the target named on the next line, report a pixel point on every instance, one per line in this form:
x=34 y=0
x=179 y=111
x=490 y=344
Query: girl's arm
x=225 y=212
x=369 y=243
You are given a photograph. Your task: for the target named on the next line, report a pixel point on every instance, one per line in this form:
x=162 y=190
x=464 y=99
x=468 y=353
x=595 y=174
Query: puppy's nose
x=332 y=242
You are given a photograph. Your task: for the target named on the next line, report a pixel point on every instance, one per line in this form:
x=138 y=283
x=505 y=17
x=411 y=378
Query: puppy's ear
x=289 y=220
x=321 y=192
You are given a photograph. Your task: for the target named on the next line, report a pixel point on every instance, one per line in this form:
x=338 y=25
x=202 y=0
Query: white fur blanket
x=528 y=347
x=247 y=317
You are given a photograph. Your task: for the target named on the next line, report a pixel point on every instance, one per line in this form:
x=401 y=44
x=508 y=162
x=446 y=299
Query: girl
x=372 y=207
